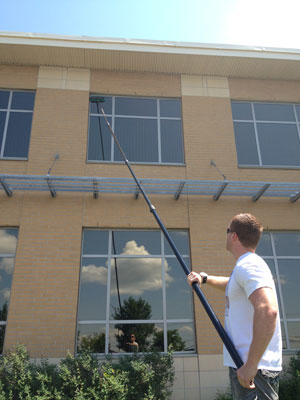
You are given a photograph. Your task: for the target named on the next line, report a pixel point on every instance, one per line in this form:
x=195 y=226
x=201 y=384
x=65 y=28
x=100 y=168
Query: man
x=133 y=346
x=251 y=316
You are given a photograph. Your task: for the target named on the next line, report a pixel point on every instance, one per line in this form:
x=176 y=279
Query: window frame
x=158 y=118
x=8 y=110
x=254 y=121
x=108 y=322
x=275 y=258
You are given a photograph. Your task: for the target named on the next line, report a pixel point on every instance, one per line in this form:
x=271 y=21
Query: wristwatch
x=204 y=277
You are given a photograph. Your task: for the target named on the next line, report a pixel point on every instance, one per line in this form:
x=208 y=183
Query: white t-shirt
x=250 y=273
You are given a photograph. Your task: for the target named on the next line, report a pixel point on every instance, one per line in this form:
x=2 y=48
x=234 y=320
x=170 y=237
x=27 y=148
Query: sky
x=264 y=23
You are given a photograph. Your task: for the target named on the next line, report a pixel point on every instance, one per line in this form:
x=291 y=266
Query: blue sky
x=270 y=23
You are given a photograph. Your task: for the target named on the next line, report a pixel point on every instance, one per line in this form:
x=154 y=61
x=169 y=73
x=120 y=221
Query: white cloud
x=8 y=242
x=135 y=275
x=186 y=329
x=7 y=264
x=92 y=273
x=5 y=294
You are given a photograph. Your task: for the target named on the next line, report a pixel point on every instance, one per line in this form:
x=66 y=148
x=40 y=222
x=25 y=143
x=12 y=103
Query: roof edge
x=144 y=45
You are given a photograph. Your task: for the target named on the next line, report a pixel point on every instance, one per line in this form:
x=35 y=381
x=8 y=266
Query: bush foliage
x=131 y=377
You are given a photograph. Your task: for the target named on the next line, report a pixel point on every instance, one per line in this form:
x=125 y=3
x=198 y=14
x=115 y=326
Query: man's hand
x=246 y=376
x=194 y=277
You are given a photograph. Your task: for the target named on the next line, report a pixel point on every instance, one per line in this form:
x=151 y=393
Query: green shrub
x=289 y=384
x=150 y=375
x=131 y=377
x=225 y=396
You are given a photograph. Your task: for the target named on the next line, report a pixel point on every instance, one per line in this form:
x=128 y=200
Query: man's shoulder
x=251 y=260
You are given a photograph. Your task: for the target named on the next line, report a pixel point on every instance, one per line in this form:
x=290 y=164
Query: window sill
x=13 y=159
x=138 y=163
x=268 y=167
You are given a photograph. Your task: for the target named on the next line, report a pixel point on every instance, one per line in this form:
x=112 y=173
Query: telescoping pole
x=216 y=322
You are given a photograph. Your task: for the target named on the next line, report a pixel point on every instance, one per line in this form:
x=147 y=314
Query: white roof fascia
x=148 y=46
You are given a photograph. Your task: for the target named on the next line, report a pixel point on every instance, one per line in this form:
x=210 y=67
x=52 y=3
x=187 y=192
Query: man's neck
x=237 y=253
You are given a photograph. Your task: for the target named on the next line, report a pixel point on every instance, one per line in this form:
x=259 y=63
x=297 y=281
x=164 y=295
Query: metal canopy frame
x=174 y=187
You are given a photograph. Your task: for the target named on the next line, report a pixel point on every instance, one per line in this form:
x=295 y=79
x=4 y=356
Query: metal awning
x=174 y=187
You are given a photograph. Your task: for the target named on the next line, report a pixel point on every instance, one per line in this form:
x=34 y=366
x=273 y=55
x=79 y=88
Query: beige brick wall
x=264 y=90
x=13 y=77
x=60 y=126
x=42 y=312
x=45 y=285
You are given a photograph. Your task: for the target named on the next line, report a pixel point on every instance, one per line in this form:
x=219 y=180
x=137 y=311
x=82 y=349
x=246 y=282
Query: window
x=16 y=109
x=149 y=130
x=281 y=251
x=132 y=284
x=8 y=245
x=267 y=134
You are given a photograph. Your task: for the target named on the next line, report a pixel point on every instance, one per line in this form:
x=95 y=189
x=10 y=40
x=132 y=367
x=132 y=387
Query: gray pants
x=266 y=386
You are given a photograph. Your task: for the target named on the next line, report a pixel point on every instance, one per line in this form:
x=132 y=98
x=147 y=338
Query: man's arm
x=219 y=282
x=264 y=323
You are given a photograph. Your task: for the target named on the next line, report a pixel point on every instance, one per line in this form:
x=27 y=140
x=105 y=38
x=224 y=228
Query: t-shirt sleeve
x=252 y=277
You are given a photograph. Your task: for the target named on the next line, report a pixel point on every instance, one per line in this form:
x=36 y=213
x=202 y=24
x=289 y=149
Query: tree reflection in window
x=134 y=309
x=136 y=282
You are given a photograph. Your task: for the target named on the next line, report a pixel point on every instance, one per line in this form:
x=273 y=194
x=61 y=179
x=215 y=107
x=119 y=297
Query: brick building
x=211 y=131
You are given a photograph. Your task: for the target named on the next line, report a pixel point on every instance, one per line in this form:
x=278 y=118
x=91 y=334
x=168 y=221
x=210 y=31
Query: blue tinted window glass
x=2 y=124
x=138 y=139
x=289 y=272
x=136 y=107
x=170 y=108
x=181 y=336
x=4 y=96
x=136 y=242
x=95 y=242
x=246 y=143
x=96 y=104
x=8 y=241
x=99 y=146
x=6 y=274
x=294 y=334
x=279 y=144
x=139 y=285
x=91 y=337
x=264 y=247
x=179 y=296
x=171 y=141
x=181 y=240
x=93 y=283
x=274 y=112
x=298 y=112
x=18 y=135
x=23 y=100
x=287 y=244
x=241 y=111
